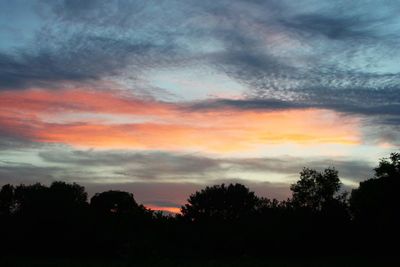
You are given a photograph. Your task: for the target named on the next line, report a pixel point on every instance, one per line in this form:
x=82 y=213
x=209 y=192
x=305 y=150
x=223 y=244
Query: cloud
x=313 y=73
x=110 y=119
x=87 y=42
x=78 y=58
x=332 y=27
x=166 y=179
x=142 y=166
x=317 y=53
x=276 y=104
x=16 y=173
x=153 y=165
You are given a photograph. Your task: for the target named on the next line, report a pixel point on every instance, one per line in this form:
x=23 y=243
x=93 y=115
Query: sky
x=161 y=98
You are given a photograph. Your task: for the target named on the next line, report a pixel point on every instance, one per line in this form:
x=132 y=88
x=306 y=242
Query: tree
x=67 y=198
x=114 y=202
x=316 y=190
x=220 y=202
x=6 y=199
x=375 y=206
x=389 y=167
x=32 y=199
x=59 y=198
x=376 y=200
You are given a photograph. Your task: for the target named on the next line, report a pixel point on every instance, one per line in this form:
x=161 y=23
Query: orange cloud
x=72 y=100
x=155 y=125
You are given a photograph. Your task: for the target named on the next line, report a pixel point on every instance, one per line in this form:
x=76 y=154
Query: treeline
x=218 y=221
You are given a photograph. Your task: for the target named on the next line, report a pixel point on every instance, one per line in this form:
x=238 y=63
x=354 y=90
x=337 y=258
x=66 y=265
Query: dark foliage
x=116 y=202
x=221 y=203
x=218 y=221
x=375 y=205
x=316 y=190
x=6 y=200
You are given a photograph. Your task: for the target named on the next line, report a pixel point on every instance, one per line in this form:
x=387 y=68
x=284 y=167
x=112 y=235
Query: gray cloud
x=387 y=113
x=79 y=58
x=161 y=178
x=163 y=165
x=318 y=52
x=331 y=56
x=8 y=142
x=90 y=41
x=16 y=173
x=176 y=194
x=333 y=27
x=148 y=166
x=251 y=104
x=340 y=55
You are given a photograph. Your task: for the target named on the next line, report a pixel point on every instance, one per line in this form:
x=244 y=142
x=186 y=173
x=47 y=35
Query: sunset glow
x=185 y=94
x=173 y=210
x=153 y=125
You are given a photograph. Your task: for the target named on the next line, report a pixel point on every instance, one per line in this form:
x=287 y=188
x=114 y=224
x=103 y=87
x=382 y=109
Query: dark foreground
x=245 y=262
x=229 y=224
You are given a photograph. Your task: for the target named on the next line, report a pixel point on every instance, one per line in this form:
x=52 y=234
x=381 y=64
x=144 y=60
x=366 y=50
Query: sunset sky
x=160 y=98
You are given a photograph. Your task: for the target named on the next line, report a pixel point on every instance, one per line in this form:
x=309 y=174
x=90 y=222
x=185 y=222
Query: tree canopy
x=114 y=202
x=220 y=202
x=376 y=200
x=220 y=219
x=316 y=190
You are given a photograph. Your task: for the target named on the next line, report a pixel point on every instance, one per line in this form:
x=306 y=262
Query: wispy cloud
x=334 y=55
x=171 y=176
x=183 y=93
x=48 y=117
x=153 y=165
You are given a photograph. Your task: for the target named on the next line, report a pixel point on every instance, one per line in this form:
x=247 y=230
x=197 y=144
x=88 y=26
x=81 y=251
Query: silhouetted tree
x=266 y=203
x=49 y=215
x=318 y=212
x=376 y=201
x=220 y=202
x=59 y=198
x=120 y=225
x=375 y=205
x=32 y=199
x=316 y=190
x=389 y=167
x=220 y=220
x=67 y=196
x=6 y=200
x=114 y=202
